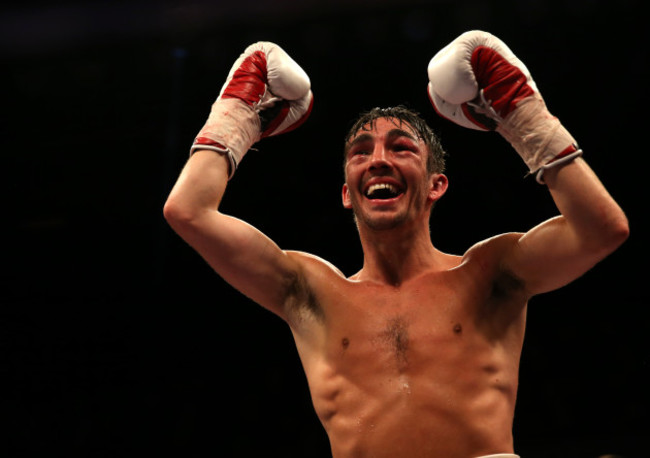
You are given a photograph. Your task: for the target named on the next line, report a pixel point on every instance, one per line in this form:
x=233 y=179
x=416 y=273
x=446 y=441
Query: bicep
x=245 y=258
x=561 y=249
x=548 y=256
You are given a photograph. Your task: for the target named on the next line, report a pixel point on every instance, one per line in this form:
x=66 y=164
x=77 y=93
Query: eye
x=404 y=146
x=359 y=151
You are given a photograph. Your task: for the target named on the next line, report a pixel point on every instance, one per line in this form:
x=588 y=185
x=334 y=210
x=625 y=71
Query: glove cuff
x=538 y=137
x=231 y=129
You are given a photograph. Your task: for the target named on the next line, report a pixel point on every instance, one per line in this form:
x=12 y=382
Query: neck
x=393 y=256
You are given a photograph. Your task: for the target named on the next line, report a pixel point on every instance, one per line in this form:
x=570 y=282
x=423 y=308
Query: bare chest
x=404 y=328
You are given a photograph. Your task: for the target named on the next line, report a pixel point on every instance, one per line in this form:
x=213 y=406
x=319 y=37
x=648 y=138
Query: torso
x=428 y=368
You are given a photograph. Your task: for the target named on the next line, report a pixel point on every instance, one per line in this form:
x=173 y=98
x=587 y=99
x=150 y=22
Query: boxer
x=416 y=354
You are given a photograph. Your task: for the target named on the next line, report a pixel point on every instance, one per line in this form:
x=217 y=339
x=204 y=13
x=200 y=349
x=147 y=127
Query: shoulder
x=487 y=256
x=494 y=248
x=314 y=265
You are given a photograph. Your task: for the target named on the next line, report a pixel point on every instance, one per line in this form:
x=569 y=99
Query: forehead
x=380 y=126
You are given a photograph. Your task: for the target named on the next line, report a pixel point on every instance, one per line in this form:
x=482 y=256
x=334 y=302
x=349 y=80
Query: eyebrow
x=392 y=134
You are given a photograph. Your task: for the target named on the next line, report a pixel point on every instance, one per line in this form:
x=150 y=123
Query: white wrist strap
x=563 y=160
x=226 y=152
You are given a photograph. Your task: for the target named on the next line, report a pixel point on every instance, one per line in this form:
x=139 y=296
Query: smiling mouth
x=383 y=191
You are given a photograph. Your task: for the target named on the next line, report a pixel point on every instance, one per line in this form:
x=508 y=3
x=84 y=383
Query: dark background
x=117 y=340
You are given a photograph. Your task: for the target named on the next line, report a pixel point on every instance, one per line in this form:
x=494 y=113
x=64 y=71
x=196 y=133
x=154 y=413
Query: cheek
x=422 y=188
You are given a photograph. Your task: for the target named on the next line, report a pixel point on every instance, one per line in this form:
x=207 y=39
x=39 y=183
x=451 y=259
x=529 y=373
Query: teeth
x=381 y=186
x=375 y=187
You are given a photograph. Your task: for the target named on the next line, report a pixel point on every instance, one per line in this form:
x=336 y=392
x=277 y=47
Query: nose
x=379 y=158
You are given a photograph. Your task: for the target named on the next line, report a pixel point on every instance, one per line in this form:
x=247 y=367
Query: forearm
x=199 y=188
x=589 y=210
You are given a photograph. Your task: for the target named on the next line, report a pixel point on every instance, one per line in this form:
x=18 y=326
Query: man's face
x=387 y=182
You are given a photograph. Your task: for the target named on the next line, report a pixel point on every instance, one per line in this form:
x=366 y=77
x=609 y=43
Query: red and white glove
x=477 y=82
x=266 y=93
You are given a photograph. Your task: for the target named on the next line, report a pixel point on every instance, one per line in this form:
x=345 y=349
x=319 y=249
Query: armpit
x=301 y=303
x=506 y=284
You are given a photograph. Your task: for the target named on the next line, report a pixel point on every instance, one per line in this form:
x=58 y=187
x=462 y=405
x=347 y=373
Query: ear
x=438 y=183
x=345 y=195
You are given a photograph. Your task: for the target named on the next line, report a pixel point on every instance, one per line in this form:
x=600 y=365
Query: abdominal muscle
x=412 y=381
x=405 y=416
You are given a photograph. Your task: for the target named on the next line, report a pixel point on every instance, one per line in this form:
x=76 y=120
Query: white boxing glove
x=266 y=93
x=477 y=82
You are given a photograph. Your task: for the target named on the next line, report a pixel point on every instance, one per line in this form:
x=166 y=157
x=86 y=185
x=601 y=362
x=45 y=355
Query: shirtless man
x=417 y=354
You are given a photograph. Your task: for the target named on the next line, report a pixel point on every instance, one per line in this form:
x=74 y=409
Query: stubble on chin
x=379 y=222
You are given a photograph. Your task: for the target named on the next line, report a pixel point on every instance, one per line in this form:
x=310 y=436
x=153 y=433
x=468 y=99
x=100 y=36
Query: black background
x=118 y=340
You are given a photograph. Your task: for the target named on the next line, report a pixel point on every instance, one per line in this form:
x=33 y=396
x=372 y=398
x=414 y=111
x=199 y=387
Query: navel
x=345 y=343
x=458 y=329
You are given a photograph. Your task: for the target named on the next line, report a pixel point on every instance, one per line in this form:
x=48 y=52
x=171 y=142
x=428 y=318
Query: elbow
x=616 y=233
x=620 y=231
x=171 y=211
x=177 y=214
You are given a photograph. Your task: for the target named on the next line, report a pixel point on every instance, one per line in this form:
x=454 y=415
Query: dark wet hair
x=401 y=114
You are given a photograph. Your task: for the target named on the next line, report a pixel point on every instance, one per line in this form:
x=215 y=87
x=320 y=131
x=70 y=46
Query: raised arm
x=591 y=225
x=266 y=93
x=477 y=82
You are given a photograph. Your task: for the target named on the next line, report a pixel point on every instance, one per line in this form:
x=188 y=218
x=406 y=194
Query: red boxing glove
x=477 y=82
x=266 y=93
